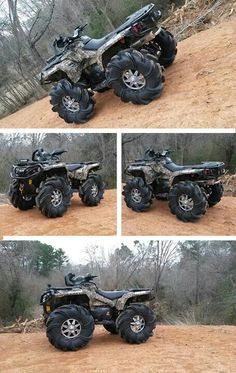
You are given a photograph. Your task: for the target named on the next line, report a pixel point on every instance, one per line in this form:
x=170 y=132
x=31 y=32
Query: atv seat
x=171 y=166
x=94 y=44
x=111 y=294
x=76 y=166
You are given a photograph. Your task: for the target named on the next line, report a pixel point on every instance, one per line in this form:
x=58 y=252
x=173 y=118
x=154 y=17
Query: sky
x=75 y=247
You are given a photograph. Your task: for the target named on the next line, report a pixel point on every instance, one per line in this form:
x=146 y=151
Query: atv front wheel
x=70 y=327
x=53 y=197
x=138 y=196
x=72 y=102
x=136 y=323
x=167 y=44
x=187 y=201
x=92 y=190
x=111 y=328
x=216 y=193
x=134 y=77
x=18 y=200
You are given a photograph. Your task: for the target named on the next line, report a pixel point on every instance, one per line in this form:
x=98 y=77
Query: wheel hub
x=137 y=324
x=27 y=198
x=94 y=190
x=136 y=195
x=56 y=198
x=185 y=202
x=133 y=79
x=71 y=328
x=70 y=104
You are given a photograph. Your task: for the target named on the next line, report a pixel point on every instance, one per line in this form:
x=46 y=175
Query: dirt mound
x=79 y=220
x=199 y=92
x=198 y=15
x=179 y=349
x=218 y=220
x=229 y=182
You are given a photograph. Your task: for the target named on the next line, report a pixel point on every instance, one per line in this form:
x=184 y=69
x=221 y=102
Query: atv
x=71 y=312
x=49 y=184
x=129 y=60
x=189 y=189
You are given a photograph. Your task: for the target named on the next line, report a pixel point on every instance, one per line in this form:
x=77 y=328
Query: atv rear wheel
x=187 y=201
x=111 y=328
x=216 y=193
x=72 y=102
x=18 y=200
x=70 y=327
x=136 y=323
x=53 y=197
x=134 y=77
x=138 y=196
x=167 y=44
x=92 y=190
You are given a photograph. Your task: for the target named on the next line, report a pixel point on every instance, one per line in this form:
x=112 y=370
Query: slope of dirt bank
x=199 y=92
x=218 y=221
x=173 y=349
x=79 y=220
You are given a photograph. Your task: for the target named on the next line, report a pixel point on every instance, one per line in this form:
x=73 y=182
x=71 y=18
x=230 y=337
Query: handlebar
x=72 y=280
x=63 y=42
x=42 y=155
x=152 y=154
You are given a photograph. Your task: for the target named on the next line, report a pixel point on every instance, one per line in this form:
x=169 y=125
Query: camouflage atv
x=49 y=183
x=129 y=60
x=189 y=189
x=71 y=313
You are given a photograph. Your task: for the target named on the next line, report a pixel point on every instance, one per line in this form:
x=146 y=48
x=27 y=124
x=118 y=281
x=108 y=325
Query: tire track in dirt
x=199 y=92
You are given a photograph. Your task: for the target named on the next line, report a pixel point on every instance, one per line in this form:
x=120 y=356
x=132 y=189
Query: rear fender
x=83 y=172
x=131 y=297
x=191 y=174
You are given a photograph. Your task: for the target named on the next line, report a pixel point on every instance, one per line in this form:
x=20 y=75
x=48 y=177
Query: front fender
x=146 y=172
x=67 y=68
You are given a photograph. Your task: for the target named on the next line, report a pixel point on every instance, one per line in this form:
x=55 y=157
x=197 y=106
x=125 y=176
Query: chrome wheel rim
x=185 y=202
x=70 y=104
x=136 y=195
x=71 y=328
x=133 y=79
x=94 y=190
x=137 y=324
x=56 y=198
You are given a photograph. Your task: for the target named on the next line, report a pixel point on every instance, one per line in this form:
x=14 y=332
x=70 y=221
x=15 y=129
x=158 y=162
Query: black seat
x=171 y=166
x=111 y=294
x=94 y=44
x=74 y=166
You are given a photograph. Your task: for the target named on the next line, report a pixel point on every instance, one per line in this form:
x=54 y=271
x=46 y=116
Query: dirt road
x=199 y=92
x=173 y=349
x=218 y=220
x=79 y=220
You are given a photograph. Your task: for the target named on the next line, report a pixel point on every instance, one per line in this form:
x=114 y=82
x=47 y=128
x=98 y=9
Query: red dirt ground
x=173 y=349
x=79 y=220
x=219 y=220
